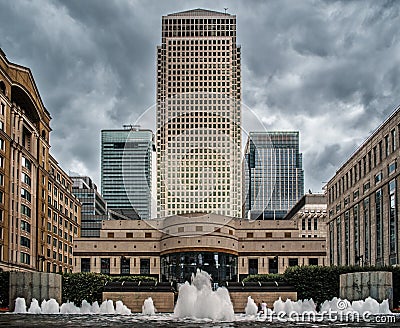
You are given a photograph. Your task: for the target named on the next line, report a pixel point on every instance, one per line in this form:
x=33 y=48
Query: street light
x=360 y=258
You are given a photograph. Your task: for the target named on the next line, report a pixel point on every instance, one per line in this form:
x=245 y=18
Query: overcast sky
x=328 y=69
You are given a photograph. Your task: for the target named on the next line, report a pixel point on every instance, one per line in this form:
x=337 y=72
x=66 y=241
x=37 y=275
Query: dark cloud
x=328 y=69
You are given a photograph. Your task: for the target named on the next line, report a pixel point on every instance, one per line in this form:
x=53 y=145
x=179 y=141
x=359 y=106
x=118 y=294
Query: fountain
x=148 y=307
x=336 y=304
x=34 y=308
x=198 y=300
x=52 y=307
x=251 y=307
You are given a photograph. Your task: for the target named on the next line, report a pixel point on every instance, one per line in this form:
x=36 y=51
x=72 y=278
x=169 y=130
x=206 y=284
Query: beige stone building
x=39 y=216
x=310 y=214
x=363 y=199
x=174 y=247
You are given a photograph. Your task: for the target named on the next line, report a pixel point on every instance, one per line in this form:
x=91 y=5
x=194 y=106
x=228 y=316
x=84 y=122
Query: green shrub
x=4 y=288
x=77 y=287
x=271 y=277
x=88 y=286
x=132 y=278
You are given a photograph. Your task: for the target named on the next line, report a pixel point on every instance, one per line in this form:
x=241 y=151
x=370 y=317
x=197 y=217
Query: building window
x=379 y=225
x=25 y=210
x=392 y=223
x=356 y=230
x=110 y=234
x=268 y=235
x=339 y=240
x=347 y=237
x=26 y=179
x=147 y=235
x=26 y=242
x=309 y=223
x=25 y=226
x=313 y=261
x=288 y=234
x=393 y=141
x=85 y=265
x=26 y=163
x=105 y=265
x=250 y=235
x=293 y=262
x=26 y=194
x=145 y=266
x=367 y=226
x=273 y=265
x=366 y=186
x=253 y=266
x=331 y=242
x=129 y=235
x=315 y=224
x=392 y=168
x=378 y=178
x=25 y=258
x=387 y=152
x=125 y=266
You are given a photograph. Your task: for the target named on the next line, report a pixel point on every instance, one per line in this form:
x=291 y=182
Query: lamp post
x=360 y=258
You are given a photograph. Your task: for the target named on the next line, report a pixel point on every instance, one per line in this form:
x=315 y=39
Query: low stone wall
x=239 y=299
x=360 y=285
x=39 y=285
x=163 y=301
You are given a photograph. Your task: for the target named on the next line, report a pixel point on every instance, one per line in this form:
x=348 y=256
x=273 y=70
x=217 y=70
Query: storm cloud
x=328 y=69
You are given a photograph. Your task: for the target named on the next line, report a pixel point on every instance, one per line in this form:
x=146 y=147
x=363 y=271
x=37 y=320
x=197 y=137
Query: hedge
x=88 y=286
x=4 y=288
x=322 y=282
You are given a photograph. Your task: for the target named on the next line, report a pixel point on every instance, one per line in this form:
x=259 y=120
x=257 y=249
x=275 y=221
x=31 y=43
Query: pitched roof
x=199 y=12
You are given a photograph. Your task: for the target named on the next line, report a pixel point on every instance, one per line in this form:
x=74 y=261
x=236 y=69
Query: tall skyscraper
x=94 y=207
x=274 y=177
x=198 y=115
x=126 y=157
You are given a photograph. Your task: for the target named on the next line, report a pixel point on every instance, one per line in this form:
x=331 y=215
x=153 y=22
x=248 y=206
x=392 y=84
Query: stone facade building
x=174 y=247
x=310 y=215
x=363 y=201
x=39 y=215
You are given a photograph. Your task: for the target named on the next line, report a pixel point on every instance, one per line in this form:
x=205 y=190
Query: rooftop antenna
x=225 y=10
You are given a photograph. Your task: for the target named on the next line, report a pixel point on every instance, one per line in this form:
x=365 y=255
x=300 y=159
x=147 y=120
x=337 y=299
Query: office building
x=273 y=174
x=39 y=215
x=126 y=157
x=172 y=248
x=310 y=214
x=94 y=207
x=363 y=205
x=198 y=115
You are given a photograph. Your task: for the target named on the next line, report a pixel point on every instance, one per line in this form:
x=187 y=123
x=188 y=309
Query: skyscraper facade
x=198 y=115
x=126 y=157
x=94 y=207
x=274 y=177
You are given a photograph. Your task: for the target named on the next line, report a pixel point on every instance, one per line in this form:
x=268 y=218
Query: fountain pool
x=199 y=306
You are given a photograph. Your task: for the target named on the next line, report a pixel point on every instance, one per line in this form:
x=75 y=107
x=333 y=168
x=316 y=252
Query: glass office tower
x=274 y=177
x=94 y=207
x=126 y=157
